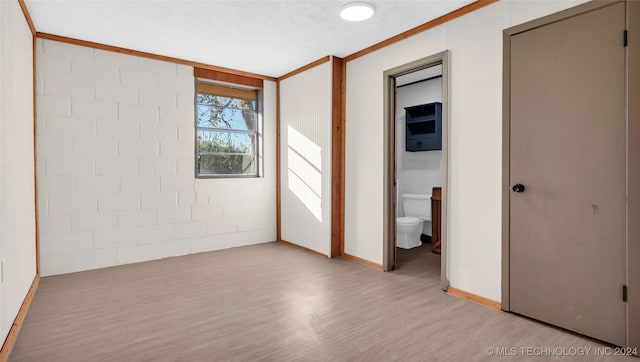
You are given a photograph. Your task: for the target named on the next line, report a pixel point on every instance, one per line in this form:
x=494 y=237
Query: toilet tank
x=417 y=205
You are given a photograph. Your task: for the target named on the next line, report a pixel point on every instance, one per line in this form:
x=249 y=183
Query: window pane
x=226 y=153
x=227 y=142
x=230 y=164
x=227 y=131
x=226 y=113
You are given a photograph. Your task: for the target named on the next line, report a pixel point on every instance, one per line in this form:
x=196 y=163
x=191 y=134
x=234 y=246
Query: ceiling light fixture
x=357 y=11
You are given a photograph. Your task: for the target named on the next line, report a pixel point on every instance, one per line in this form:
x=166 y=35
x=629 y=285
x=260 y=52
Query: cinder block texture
x=116 y=162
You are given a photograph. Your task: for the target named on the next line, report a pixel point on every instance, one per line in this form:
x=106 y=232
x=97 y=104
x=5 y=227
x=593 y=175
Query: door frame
x=633 y=152
x=390 y=159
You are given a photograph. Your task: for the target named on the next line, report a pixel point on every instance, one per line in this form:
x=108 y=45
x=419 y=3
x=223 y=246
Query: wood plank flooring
x=269 y=302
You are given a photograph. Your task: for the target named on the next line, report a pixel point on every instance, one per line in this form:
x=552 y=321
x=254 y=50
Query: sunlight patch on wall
x=305 y=147
x=304 y=172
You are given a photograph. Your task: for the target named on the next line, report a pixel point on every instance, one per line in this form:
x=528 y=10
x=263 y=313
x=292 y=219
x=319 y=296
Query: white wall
x=418 y=172
x=17 y=196
x=305 y=149
x=474 y=210
x=116 y=165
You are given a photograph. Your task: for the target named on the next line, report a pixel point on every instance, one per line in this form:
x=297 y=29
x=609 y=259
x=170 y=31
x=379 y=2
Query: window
x=228 y=130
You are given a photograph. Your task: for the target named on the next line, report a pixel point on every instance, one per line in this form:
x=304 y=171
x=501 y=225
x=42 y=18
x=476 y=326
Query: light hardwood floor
x=268 y=302
x=418 y=262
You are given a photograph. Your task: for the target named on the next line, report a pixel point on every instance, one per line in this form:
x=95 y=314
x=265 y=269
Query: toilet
x=417 y=210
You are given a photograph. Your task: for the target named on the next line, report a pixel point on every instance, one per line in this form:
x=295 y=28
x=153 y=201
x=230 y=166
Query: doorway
x=565 y=181
x=433 y=67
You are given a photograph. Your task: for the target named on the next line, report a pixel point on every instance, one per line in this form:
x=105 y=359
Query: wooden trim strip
x=35 y=154
x=27 y=16
x=337 y=178
x=475 y=298
x=421 y=28
x=278 y=179
x=138 y=53
x=362 y=261
x=227 y=77
x=303 y=248
x=17 y=323
x=306 y=67
x=343 y=136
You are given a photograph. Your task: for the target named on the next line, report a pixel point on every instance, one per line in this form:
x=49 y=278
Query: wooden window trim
x=228 y=77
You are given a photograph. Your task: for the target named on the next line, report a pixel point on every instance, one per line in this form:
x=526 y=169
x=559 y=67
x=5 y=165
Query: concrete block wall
x=115 y=140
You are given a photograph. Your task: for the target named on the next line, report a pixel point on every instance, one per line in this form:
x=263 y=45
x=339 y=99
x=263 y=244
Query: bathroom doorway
x=416 y=114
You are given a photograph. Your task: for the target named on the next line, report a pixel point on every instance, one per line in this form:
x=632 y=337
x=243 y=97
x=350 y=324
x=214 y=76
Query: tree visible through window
x=226 y=131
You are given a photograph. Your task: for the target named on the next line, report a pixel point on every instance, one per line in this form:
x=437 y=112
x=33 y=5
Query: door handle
x=518 y=188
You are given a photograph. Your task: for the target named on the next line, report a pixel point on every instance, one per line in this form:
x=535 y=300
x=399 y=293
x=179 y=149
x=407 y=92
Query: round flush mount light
x=357 y=11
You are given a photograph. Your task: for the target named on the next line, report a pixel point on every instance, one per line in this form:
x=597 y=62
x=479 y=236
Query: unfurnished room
x=244 y=180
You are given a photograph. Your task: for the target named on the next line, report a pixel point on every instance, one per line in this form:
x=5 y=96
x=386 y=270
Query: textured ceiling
x=270 y=37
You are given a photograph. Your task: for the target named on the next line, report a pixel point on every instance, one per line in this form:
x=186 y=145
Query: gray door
x=567 y=147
